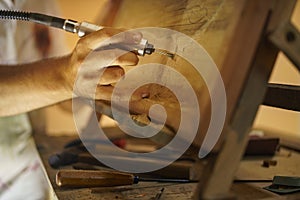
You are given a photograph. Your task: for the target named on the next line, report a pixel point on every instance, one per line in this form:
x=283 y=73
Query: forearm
x=33 y=85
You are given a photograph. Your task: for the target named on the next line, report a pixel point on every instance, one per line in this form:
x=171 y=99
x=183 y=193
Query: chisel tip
x=165 y=53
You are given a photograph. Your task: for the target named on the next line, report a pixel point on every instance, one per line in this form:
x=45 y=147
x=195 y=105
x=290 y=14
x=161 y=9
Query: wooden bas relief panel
x=209 y=23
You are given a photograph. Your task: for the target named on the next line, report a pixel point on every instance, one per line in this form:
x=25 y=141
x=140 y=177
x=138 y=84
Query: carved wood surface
x=210 y=23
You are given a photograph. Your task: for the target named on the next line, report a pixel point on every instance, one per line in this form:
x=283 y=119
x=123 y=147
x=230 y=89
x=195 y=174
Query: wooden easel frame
x=248 y=69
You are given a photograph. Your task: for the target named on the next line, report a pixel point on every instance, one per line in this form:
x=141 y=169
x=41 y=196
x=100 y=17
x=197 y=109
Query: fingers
x=111 y=75
x=104 y=92
x=107 y=36
x=127 y=59
x=93 y=68
x=89 y=59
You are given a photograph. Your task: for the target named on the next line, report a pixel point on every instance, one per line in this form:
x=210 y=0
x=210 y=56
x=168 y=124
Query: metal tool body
x=80 y=28
x=84 y=28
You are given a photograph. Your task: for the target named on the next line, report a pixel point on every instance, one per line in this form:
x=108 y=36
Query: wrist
x=65 y=75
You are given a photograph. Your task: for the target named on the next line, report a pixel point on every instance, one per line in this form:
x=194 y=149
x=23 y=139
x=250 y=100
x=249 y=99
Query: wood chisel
x=103 y=178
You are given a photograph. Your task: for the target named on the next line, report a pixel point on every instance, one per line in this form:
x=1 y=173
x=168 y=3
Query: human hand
x=93 y=69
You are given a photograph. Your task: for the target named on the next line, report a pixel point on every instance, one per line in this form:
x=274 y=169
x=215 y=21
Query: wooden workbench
x=250 y=169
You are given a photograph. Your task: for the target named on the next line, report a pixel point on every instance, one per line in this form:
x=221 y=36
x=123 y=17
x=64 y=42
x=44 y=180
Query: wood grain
x=210 y=23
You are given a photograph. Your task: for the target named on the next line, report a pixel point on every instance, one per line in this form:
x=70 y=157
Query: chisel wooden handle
x=92 y=178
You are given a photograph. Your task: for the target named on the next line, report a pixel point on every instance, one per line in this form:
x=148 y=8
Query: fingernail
x=137 y=37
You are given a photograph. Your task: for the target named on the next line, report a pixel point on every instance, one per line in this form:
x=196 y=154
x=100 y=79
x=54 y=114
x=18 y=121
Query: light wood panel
x=210 y=23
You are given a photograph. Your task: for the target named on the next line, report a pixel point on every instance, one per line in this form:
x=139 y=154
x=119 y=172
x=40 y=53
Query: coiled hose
x=14 y=15
x=33 y=17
